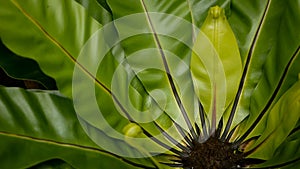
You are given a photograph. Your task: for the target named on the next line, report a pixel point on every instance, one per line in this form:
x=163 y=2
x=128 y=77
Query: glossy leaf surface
x=45 y=126
x=27 y=69
x=277 y=18
x=280 y=121
x=45 y=39
x=214 y=74
x=279 y=73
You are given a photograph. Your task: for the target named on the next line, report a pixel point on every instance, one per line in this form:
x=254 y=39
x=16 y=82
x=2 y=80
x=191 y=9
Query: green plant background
x=39 y=128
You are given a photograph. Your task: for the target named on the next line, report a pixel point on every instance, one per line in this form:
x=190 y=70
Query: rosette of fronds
x=151 y=84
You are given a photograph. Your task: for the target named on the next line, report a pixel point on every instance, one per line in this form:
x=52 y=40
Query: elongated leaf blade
x=249 y=23
x=219 y=32
x=215 y=76
x=256 y=69
x=286 y=155
x=279 y=72
x=276 y=64
x=45 y=34
x=45 y=126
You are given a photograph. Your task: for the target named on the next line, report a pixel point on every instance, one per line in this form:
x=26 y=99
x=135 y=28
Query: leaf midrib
x=241 y=88
x=60 y=46
x=56 y=143
x=40 y=27
x=167 y=69
x=73 y=59
x=99 y=83
x=70 y=146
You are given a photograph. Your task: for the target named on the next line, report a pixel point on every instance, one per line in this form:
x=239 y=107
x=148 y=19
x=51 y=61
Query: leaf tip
x=216 y=12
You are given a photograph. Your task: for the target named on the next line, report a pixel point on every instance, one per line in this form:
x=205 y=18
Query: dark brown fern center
x=209 y=150
x=212 y=154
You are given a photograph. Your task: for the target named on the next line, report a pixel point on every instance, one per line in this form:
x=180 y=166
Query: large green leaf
x=281 y=68
x=253 y=23
x=276 y=66
x=45 y=34
x=28 y=69
x=38 y=126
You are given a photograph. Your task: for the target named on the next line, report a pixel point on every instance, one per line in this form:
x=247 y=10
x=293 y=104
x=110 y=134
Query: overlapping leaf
x=286 y=155
x=279 y=72
x=27 y=69
x=45 y=36
x=280 y=121
x=50 y=37
x=45 y=126
x=45 y=41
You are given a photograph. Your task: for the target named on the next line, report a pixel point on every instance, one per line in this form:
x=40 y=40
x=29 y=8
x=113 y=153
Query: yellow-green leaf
x=216 y=65
x=280 y=121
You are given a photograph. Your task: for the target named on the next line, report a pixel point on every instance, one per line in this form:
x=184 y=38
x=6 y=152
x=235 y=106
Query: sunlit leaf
x=214 y=74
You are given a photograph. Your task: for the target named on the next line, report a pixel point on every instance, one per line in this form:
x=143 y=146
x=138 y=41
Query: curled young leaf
x=215 y=76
